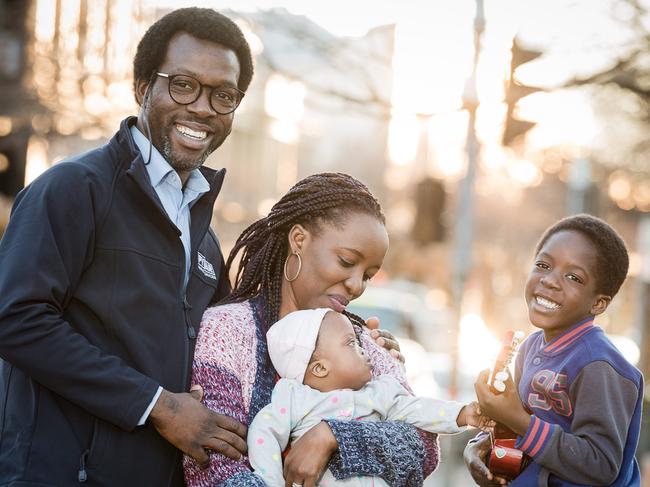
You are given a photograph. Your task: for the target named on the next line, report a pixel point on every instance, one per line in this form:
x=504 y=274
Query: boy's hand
x=471 y=415
x=474 y=456
x=505 y=407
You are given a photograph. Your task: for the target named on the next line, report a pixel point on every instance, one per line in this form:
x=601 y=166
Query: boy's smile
x=561 y=289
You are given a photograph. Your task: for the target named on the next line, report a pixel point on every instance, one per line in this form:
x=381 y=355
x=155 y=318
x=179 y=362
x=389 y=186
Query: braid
x=264 y=246
x=355 y=319
x=358 y=324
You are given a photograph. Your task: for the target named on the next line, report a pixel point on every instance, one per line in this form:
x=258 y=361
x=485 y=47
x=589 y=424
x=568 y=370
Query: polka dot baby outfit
x=296 y=408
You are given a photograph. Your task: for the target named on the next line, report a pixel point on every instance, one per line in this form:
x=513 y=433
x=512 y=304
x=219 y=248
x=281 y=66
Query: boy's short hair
x=611 y=252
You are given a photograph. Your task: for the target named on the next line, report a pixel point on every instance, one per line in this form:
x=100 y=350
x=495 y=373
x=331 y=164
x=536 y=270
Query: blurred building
x=81 y=53
x=317 y=103
x=16 y=100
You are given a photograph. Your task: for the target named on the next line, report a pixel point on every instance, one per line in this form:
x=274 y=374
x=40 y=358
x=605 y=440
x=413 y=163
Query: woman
x=318 y=247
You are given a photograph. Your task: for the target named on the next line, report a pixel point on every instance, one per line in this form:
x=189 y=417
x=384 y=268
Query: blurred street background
x=477 y=123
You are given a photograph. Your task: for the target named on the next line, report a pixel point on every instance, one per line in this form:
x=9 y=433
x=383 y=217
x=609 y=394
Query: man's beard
x=183 y=164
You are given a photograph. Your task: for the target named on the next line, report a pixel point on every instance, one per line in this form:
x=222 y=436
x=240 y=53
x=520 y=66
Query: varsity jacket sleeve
x=397 y=451
x=592 y=453
x=47 y=245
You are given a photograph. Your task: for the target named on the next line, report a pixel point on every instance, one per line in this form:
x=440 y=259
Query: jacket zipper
x=82 y=476
x=191 y=331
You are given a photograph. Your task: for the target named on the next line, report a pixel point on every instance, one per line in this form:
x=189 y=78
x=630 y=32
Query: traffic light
x=515 y=91
x=430 y=203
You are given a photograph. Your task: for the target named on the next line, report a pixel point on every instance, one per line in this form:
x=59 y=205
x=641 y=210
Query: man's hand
x=474 y=455
x=187 y=424
x=506 y=407
x=309 y=456
x=384 y=339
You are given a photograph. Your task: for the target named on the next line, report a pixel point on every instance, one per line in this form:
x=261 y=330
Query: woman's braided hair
x=324 y=197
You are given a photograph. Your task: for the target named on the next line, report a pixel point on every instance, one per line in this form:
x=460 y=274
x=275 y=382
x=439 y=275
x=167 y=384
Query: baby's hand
x=471 y=415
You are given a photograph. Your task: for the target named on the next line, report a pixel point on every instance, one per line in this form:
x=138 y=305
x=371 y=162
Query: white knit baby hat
x=292 y=340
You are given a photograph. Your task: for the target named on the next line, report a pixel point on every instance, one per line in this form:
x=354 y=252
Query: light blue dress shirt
x=176 y=200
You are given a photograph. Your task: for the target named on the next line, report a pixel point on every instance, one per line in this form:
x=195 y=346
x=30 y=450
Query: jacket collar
x=124 y=143
x=569 y=337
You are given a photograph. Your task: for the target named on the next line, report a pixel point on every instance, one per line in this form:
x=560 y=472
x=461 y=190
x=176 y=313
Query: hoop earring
x=299 y=267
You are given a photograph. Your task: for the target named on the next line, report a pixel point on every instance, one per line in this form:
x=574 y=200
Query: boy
x=579 y=415
x=325 y=374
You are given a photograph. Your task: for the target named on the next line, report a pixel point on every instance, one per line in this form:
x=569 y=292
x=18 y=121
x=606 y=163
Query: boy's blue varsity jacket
x=586 y=402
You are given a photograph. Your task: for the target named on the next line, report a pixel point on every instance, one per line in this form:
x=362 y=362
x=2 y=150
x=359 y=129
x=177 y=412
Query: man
x=106 y=267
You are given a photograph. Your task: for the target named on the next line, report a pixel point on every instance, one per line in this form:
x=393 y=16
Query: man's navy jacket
x=93 y=319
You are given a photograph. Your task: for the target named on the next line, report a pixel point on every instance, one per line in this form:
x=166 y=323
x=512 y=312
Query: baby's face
x=337 y=342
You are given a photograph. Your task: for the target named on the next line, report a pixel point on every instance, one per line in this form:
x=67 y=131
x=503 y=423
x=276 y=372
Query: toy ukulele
x=504 y=459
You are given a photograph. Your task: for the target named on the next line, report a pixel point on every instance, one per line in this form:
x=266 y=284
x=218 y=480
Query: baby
x=325 y=375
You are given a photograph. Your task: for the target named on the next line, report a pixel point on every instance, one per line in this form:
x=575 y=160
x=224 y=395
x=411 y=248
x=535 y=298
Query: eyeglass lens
x=185 y=90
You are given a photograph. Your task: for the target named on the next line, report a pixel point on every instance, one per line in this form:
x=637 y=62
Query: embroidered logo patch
x=205 y=267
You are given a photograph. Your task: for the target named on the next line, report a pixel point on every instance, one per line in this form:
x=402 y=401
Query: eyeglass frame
x=170 y=77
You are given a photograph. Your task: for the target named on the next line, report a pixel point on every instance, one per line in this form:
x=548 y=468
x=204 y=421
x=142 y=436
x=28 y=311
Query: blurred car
x=415 y=325
x=402 y=309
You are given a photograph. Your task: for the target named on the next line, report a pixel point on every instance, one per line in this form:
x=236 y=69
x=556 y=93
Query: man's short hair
x=202 y=23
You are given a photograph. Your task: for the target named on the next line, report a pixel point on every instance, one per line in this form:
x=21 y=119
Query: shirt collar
x=197 y=183
x=158 y=167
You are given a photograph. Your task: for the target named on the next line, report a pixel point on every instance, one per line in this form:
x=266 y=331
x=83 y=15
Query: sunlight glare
x=44 y=28
x=264 y=206
x=525 y=173
x=627 y=347
x=448 y=134
x=563 y=117
x=402 y=138
x=284 y=99
x=620 y=187
x=430 y=67
x=284 y=131
x=36 y=159
x=478 y=347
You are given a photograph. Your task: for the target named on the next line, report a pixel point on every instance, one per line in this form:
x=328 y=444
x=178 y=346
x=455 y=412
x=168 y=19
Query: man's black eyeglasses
x=185 y=90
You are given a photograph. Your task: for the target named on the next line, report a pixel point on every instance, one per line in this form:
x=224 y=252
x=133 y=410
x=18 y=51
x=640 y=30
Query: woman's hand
x=505 y=407
x=384 y=339
x=474 y=455
x=309 y=456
